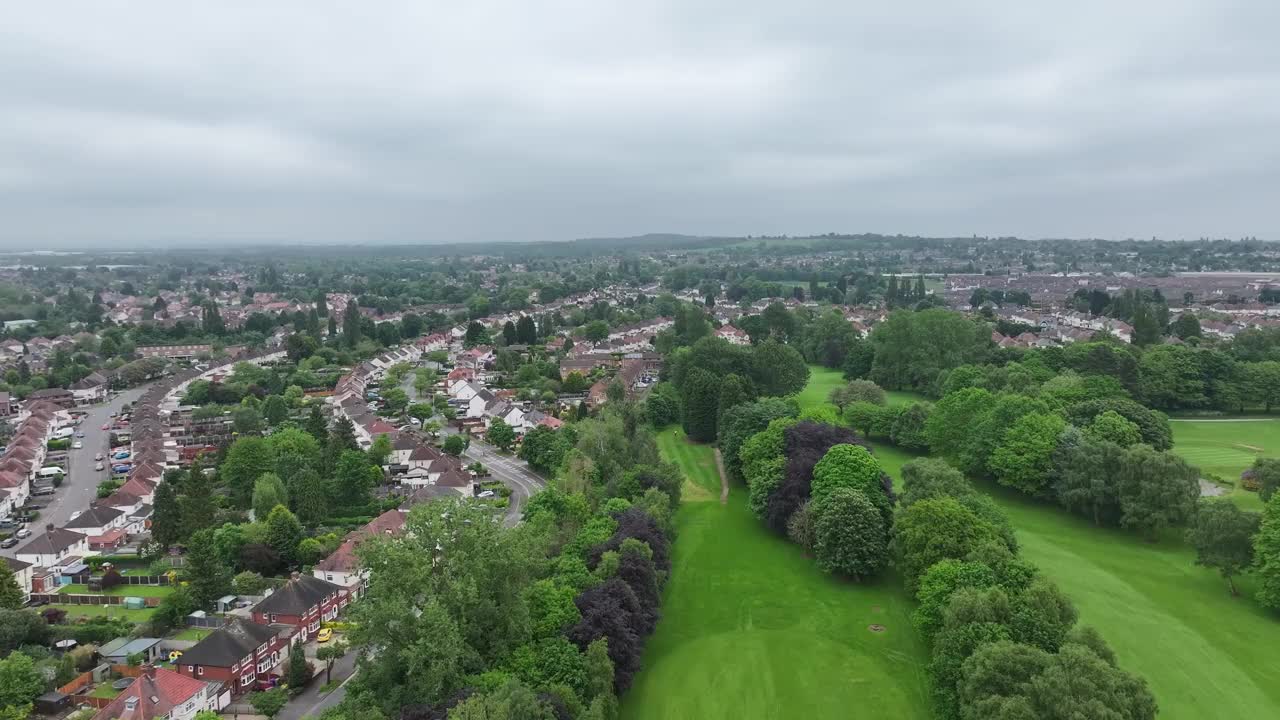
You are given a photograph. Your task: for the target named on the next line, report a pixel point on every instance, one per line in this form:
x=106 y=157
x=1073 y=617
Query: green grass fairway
x=821 y=382
x=1204 y=653
x=752 y=629
x=701 y=481
x=1225 y=448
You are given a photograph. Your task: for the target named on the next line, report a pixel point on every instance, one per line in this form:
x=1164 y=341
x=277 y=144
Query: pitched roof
x=229 y=644
x=154 y=694
x=95 y=516
x=297 y=596
x=53 y=540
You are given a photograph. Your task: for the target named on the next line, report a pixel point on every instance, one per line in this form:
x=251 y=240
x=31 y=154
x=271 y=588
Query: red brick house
x=159 y=694
x=303 y=602
x=240 y=655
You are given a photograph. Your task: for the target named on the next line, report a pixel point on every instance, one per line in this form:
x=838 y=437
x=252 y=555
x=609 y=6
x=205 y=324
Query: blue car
x=119 y=468
x=122 y=455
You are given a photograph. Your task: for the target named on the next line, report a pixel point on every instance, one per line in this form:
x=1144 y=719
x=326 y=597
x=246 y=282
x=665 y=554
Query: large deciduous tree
x=1222 y=535
x=849 y=533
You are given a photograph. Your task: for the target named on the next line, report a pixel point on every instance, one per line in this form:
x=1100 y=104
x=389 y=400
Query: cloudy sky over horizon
x=127 y=123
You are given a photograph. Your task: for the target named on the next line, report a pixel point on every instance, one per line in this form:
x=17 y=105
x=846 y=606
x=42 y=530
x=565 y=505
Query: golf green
x=752 y=629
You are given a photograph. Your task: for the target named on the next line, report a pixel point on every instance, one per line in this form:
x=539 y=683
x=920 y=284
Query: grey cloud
x=145 y=122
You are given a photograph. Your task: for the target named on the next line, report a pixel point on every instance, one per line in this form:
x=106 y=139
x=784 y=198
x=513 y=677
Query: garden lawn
x=115 y=611
x=1225 y=448
x=193 y=634
x=143 y=591
x=752 y=629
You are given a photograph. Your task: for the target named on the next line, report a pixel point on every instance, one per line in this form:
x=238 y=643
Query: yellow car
x=325 y=635
x=173 y=656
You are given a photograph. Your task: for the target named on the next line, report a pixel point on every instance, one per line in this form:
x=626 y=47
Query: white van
x=51 y=471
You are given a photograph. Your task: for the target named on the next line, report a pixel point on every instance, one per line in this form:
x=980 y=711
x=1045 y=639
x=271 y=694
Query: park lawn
x=701 y=480
x=93 y=611
x=143 y=591
x=1225 y=448
x=752 y=629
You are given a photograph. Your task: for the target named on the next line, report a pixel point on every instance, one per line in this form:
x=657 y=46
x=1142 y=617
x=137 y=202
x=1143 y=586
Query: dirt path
x=724 y=478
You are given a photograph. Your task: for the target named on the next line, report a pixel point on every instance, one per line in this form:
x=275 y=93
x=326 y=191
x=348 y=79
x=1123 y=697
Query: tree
x=1222 y=535
x=1157 y=490
x=166 y=515
x=1111 y=426
x=1186 y=326
x=701 y=405
x=936 y=529
x=211 y=320
x=847 y=466
x=849 y=534
x=455 y=445
x=596 y=331
x=857 y=391
x=1024 y=459
x=739 y=423
x=316 y=424
x=778 y=369
x=247 y=459
x=247 y=421
x=329 y=654
x=662 y=405
x=20 y=681
x=380 y=450
x=526 y=330
x=1077 y=683
x=907 y=429
x=275 y=409
x=912 y=348
x=734 y=390
x=501 y=434
x=298 y=672
x=1266 y=550
x=950 y=426
x=284 y=532
x=926 y=478
x=209 y=578
x=11 y=597
x=544 y=449
x=271 y=702
x=1266 y=473
x=354 y=478
x=268 y=492
x=509 y=333
x=351 y=324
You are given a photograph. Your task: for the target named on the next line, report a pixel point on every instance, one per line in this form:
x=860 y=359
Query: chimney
x=295 y=575
x=148 y=671
x=48 y=527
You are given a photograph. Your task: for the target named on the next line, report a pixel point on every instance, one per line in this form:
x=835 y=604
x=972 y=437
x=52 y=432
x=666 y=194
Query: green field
x=823 y=380
x=751 y=629
x=1226 y=447
x=143 y=591
x=1204 y=653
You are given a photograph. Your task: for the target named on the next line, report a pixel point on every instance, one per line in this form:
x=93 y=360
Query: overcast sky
x=125 y=123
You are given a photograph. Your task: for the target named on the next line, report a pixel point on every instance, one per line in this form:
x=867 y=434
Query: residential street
x=513 y=473
x=311 y=703
x=81 y=484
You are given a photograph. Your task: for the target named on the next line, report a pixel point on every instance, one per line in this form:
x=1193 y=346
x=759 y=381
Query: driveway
x=80 y=487
x=310 y=703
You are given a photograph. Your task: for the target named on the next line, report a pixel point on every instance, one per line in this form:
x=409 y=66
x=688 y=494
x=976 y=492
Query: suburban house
x=303 y=602
x=90 y=389
x=159 y=694
x=735 y=336
x=174 y=352
x=54 y=547
x=342 y=567
x=22 y=574
x=58 y=396
x=239 y=654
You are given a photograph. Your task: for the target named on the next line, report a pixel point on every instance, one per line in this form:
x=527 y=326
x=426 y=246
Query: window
x=191 y=668
x=273 y=617
x=329 y=577
x=200 y=671
x=246 y=680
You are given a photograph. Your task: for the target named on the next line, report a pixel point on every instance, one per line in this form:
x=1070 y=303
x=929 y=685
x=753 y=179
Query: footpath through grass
x=1204 y=653
x=752 y=629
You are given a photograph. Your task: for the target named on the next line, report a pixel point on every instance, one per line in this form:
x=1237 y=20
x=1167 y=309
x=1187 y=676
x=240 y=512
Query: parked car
x=8 y=542
x=79 y=433
x=120 y=469
x=46 y=490
x=325 y=635
x=23 y=533
x=99 y=467
x=77 y=445
x=98 y=457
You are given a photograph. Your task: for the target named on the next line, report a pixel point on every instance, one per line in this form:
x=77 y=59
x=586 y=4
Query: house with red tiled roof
x=342 y=567
x=159 y=694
